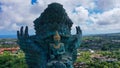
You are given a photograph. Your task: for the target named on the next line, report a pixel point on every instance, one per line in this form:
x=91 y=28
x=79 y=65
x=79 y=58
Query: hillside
x=101 y=42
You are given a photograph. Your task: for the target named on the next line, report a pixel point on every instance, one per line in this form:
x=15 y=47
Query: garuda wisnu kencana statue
x=53 y=45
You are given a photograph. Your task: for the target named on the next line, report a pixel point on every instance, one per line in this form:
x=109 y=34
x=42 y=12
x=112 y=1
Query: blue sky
x=93 y=16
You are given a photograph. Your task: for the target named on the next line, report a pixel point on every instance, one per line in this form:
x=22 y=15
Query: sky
x=93 y=16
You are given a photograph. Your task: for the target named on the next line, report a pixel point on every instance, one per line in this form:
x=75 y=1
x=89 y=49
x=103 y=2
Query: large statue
x=53 y=45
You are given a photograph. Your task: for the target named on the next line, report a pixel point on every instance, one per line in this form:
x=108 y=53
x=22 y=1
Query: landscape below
x=96 y=51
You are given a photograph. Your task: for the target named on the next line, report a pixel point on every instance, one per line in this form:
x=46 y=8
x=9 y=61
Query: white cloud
x=16 y=13
x=109 y=17
x=79 y=18
x=107 y=4
x=81 y=14
x=107 y=21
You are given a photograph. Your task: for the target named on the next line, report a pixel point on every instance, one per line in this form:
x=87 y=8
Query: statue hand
x=34 y=53
x=25 y=42
x=76 y=39
x=78 y=32
x=23 y=38
x=78 y=36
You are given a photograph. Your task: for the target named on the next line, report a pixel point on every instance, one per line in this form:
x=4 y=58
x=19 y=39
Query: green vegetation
x=101 y=42
x=106 y=53
x=7 y=43
x=91 y=62
x=8 y=60
x=106 y=49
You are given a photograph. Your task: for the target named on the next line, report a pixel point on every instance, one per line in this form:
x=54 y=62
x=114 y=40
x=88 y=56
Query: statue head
x=53 y=18
x=56 y=36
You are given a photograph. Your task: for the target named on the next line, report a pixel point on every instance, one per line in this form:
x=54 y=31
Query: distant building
x=92 y=51
x=80 y=65
x=13 y=49
x=103 y=58
x=116 y=41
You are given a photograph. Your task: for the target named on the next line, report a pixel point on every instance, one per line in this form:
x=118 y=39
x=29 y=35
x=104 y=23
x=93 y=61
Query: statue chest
x=56 y=48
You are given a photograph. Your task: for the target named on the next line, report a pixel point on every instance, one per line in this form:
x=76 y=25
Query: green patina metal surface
x=53 y=45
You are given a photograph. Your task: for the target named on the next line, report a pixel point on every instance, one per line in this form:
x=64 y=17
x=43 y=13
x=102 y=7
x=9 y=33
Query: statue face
x=56 y=39
x=57 y=36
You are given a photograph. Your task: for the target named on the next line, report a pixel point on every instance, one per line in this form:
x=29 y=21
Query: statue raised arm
x=30 y=47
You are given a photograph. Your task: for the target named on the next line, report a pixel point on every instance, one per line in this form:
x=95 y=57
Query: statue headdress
x=53 y=18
